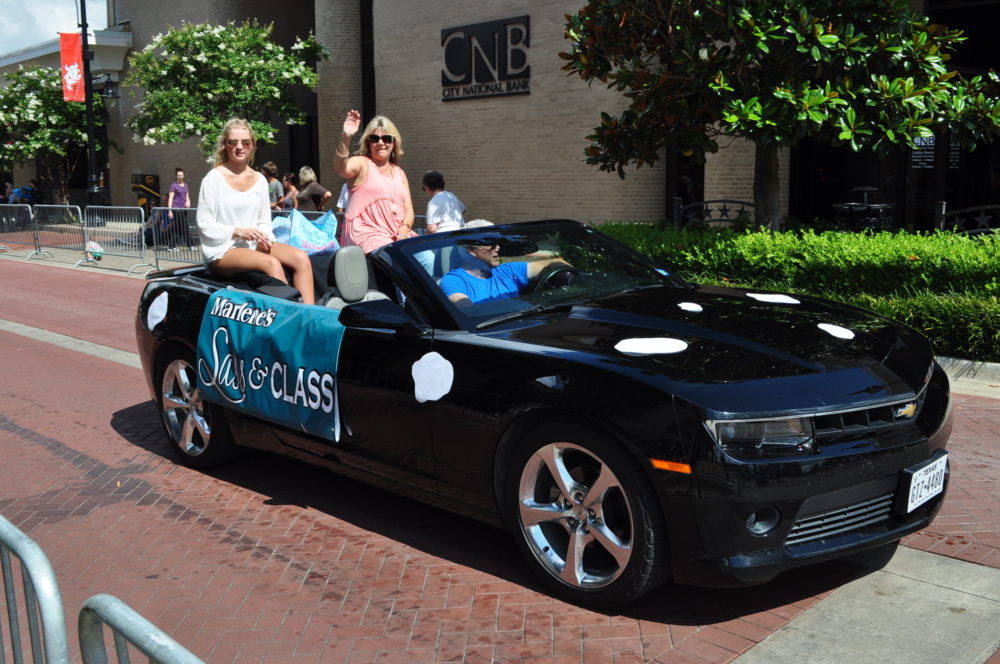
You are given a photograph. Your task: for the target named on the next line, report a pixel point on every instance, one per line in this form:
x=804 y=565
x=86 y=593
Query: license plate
x=926 y=483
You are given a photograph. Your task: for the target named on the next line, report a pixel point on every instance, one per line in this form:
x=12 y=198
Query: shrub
x=943 y=284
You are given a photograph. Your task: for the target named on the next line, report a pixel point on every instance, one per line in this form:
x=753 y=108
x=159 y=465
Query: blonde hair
x=221 y=156
x=387 y=127
x=306 y=175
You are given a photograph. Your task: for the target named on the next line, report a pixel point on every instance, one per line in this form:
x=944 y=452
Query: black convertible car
x=627 y=426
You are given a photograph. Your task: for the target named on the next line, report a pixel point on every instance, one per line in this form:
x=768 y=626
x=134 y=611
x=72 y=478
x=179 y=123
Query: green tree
x=864 y=73
x=196 y=77
x=37 y=125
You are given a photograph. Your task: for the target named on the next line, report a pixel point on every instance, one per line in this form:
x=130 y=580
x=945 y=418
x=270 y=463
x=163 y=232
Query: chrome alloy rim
x=575 y=516
x=183 y=409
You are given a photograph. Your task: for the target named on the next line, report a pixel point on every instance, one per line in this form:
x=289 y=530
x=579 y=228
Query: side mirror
x=380 y=314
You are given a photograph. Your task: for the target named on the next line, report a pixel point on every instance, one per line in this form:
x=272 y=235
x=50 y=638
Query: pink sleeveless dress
x=375 y=209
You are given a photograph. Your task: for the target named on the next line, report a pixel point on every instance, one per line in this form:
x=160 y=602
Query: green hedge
x=945 y=285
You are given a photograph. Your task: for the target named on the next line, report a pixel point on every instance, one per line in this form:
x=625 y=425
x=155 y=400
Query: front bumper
x=828 y=507
x=843 y=538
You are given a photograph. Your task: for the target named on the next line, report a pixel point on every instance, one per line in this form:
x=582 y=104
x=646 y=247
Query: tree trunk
x=765 y=185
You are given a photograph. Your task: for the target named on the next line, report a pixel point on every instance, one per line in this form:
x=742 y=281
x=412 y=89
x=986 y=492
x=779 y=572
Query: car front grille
x=855 y=424
x=841 y=520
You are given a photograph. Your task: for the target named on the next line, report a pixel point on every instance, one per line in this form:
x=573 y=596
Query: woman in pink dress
x=379 y=210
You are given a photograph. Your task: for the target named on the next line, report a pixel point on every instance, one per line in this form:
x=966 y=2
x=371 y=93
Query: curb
x=981 y=379
x=969 y=370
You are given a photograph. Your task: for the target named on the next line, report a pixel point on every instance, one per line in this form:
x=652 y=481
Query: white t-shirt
x=345 y=196
x=445 y=210
x=221 y=208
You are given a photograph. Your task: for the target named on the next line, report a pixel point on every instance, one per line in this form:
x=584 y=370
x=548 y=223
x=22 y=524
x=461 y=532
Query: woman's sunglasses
x=387 y=139
x=233 y=142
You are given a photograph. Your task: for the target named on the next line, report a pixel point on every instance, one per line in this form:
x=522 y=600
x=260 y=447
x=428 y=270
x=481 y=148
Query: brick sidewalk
x=968 y=525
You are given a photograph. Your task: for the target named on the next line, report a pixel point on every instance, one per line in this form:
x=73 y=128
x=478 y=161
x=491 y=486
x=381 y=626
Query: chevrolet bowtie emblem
x=906 y=411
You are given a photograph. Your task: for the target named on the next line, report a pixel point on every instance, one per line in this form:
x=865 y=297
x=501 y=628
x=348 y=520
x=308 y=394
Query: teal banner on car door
x=273 y=359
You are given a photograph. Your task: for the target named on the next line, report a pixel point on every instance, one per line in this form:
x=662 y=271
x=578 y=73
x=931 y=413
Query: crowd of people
x=26 y=194
x=235 y=201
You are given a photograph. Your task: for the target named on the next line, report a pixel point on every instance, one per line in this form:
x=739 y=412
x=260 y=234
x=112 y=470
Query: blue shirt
x=506 y=281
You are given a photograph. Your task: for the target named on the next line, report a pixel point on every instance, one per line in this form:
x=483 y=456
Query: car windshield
x=500 y=272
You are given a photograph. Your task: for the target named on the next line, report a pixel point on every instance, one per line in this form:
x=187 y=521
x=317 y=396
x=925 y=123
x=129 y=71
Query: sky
x=25 y=23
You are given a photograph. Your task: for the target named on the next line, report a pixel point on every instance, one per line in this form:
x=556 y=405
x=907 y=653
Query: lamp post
x=93 y=188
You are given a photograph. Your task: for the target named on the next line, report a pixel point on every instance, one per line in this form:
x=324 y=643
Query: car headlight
x=764 y=439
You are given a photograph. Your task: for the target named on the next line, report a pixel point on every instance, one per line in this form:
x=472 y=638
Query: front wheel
x=197 y=429
x=585 y=517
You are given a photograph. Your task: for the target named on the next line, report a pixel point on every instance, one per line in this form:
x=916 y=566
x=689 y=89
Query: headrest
x=350 y=270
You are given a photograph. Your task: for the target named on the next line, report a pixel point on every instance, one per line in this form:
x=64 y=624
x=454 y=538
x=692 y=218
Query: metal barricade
x=41 y=605
x=115 y=231
x=173 y=234
x=128 y=627
x=17 y=230
x=60 y=227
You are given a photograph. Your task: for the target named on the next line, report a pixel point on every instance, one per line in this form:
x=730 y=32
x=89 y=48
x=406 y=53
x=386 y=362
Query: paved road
x=270 y=560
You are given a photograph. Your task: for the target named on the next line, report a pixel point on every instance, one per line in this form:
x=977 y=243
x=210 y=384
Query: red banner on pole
x=71 y=55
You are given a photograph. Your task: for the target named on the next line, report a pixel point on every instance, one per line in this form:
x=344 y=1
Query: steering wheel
x=555 y=269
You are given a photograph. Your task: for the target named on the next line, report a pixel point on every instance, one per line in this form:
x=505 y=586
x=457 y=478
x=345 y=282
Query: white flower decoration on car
x=836 y=331
x=773 y=298
x=432 y=377
x=157 y=311
x=650 y=346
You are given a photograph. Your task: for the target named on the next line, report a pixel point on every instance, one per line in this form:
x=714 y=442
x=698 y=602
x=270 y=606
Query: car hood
x=712 y=335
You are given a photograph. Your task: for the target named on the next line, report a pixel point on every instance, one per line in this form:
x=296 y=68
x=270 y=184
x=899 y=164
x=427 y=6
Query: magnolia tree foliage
x=37 y=125
x=862 y=73
x=196 y=77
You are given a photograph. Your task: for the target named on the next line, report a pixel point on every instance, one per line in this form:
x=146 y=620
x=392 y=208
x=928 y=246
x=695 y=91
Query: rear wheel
x=197 y=429
x=585 y=517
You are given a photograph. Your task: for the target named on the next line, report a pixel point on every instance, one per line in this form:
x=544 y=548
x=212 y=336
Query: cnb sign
x=486 y=60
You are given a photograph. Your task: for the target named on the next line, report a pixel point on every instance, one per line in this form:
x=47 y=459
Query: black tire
x=599 y=551
x=196 y=429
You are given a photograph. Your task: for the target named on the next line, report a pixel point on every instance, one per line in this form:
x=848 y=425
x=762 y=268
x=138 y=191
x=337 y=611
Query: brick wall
x=339 y=89
x=507 y=158
x=729 y=172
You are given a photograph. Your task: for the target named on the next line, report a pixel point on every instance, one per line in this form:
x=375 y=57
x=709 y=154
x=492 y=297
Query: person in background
x=379 y=210
x=312 y=196
x=26 y=193
x=234 y=217
x=8 y=192
x=290 y=181
x=275 y=191
x=444 y=210
x=175 y=230
x=342 y=200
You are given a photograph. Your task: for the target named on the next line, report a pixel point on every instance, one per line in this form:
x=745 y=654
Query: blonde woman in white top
x=234 y=217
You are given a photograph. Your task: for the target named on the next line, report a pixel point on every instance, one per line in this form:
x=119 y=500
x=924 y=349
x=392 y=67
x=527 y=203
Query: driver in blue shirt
x=483 y=278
